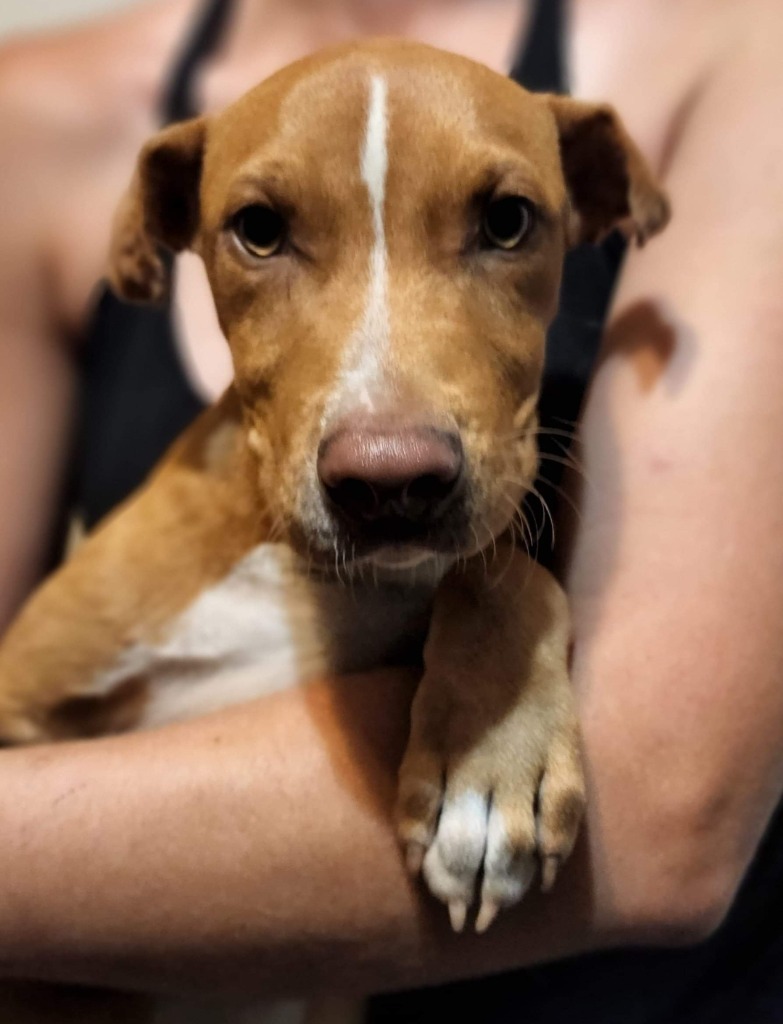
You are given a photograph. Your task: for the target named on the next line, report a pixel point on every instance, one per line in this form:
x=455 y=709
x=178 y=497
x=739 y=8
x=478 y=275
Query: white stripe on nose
x=364 y=362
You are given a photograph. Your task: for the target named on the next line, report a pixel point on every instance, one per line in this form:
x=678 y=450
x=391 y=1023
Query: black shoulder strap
x=205 y=35
x=540 y=62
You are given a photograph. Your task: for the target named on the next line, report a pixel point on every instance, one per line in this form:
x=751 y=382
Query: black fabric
x=538 y=62
x=136 y=400
x=136 y=397
x=589 y=275
x=178 y=101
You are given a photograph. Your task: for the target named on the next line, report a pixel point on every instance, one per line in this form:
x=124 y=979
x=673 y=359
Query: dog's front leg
x=491 y=784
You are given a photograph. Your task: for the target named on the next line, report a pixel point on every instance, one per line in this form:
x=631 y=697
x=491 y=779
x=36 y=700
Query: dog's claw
x=486 y=915
x=549 y=869
x=414 y=857
x=458 y=911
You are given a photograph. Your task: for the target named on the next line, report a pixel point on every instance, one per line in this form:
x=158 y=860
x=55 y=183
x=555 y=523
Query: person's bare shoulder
x=84 y=78
x=75 y=106
x=655 y=64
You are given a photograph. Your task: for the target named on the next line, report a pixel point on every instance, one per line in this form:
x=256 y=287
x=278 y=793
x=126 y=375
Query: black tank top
x=136 y=398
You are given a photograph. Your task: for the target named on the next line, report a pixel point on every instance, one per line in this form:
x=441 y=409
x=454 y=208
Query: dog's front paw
x=490 y=797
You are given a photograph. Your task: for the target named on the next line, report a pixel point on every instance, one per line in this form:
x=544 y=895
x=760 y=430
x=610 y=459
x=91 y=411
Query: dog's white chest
x=266 y=626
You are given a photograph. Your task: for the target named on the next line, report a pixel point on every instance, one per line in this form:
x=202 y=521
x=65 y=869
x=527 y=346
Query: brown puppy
x=383 y=227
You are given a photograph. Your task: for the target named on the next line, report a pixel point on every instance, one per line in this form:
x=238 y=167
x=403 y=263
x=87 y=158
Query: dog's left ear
x=160 y=210
x=609 y=181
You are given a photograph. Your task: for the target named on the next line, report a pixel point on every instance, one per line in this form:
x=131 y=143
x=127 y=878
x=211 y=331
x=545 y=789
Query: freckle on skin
x=660 y=463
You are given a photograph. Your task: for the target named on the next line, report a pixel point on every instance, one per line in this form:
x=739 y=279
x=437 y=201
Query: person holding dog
x=675 y=595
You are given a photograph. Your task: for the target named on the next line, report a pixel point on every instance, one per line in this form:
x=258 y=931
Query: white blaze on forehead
x=365 y=358
x=374 y=156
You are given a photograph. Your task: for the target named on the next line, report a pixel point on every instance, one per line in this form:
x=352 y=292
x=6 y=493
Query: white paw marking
x=472 y=836
x=454 y=860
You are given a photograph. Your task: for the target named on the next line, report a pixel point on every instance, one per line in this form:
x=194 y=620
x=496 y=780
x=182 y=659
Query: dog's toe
x=510 y=860
x=483 y=832
x=419 y=800
x=561 y=804
x=454 y=860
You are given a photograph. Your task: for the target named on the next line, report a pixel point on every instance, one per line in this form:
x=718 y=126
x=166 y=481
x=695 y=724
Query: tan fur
x=195 y=518
x=494 y=714
x=493 y=722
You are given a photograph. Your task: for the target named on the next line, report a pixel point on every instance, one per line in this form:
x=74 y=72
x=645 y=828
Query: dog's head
x=383 y=227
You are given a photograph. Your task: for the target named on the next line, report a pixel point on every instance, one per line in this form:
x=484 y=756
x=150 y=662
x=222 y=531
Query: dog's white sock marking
x=454 y=860
x=509 y=866
x=473 y=833
x=365 y=358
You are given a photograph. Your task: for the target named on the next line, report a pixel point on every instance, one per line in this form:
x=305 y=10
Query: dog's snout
x=409 y=473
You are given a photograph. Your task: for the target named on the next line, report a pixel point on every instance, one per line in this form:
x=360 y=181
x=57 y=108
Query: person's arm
x=248 y=850
x=37 y=365
x=75 y=107
x=254 y=848
x=676 y=583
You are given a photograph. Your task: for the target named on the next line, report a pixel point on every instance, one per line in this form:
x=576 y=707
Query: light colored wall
x=29 y=15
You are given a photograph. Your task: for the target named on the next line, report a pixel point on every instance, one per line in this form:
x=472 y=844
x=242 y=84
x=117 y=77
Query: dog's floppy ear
x=609 y=181
x=160 y=210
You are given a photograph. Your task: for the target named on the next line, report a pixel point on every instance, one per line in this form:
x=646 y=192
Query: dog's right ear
x=159 y=211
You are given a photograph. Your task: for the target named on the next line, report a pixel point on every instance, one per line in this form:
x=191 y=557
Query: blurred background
x=23 y=16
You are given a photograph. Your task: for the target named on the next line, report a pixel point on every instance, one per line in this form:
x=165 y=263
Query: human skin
x=255 y=845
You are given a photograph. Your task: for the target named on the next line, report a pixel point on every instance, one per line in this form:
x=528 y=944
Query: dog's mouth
x=399 y=527
x=400 y=558
x=398 y=542
x=392 y=540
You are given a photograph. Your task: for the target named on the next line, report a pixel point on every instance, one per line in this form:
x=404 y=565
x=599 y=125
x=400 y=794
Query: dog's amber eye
x=259 y=229
x=507 y=221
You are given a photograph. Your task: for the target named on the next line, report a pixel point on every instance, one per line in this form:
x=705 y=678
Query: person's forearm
x=252 y=849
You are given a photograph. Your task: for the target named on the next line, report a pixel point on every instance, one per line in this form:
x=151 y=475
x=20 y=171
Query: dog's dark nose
x=409 y=473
